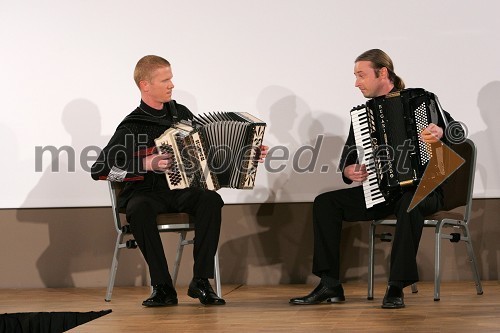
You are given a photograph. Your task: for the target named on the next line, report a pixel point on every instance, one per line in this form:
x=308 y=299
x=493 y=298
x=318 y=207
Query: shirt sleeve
x=118 y=160
x=349 y=155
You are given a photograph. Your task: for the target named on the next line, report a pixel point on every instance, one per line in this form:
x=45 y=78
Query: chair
x=457 y=190
x=181 y=223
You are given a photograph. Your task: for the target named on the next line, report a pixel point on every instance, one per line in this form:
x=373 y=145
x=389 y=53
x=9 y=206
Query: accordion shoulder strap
x=173 y=111
x=179 y=112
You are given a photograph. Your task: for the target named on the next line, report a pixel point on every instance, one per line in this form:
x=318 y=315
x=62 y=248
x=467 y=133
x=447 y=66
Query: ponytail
x=398 y=82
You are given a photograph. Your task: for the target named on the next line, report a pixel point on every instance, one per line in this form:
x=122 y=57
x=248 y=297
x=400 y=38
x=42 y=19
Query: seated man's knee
x=406 y=198
x=212 y=197
x=321 y=200
x=139 y=206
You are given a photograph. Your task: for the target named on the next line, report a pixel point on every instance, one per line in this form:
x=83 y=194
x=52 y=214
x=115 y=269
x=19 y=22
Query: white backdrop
x=66 y=69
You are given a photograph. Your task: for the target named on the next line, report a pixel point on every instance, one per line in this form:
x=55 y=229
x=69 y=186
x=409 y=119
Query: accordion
x=387 y=130
x=214 y=150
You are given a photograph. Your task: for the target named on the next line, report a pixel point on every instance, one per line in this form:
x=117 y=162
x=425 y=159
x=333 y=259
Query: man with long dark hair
x=375 y=76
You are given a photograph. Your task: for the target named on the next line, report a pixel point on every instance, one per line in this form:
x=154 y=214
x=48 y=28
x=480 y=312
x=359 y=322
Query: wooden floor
x=266 y=309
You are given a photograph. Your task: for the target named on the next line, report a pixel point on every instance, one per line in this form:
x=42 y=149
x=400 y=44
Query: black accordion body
x=387 y=130
x=215 y=150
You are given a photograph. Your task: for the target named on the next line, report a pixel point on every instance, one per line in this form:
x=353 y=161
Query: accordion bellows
x=215 y=150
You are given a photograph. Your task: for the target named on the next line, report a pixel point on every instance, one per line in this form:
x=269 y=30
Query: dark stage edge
x=46 y=322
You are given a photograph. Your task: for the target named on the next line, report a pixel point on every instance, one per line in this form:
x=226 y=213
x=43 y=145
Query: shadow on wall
x=274 y=250
x=280 y=249
x=485 y=237
x=65 y=262
x=273 y=244
x=305 y=146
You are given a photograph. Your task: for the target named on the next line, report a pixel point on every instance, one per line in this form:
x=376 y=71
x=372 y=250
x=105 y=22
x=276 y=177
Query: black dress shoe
x=201 y=289
x=320 y=294
x=394 y=298
x=163 y=295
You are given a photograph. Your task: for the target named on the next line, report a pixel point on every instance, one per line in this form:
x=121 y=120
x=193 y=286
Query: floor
x=266 y=309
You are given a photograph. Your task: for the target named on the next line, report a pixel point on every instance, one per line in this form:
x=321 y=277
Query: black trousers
x=204 y=205
x=332 y=208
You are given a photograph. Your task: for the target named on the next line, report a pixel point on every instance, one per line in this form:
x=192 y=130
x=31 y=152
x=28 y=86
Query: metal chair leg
x=218 y=287
x=437 y=262
x=472 y=259
x=371 y=263
x=114 y=267
x=180 y=248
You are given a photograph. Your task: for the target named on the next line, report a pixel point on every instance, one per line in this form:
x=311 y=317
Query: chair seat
x=174 y=218
x=445 y=215
x=430 y=220
x=175 y=221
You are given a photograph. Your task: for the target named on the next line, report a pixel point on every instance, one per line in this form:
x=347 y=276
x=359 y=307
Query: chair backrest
x=458 y=188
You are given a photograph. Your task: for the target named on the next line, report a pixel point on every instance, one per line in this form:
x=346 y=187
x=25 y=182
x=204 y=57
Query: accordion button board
x=387 y=135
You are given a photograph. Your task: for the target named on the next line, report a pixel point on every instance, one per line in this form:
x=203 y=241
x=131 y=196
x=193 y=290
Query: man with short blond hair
x=130 y=157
